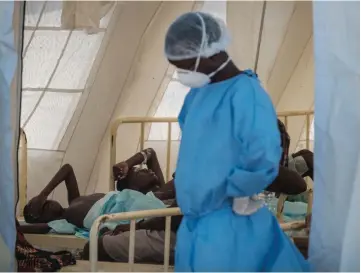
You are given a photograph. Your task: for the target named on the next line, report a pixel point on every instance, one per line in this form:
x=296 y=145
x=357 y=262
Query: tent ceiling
x=75 y=83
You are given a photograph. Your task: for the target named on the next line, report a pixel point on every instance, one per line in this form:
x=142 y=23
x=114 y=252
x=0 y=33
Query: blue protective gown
x=230 y=147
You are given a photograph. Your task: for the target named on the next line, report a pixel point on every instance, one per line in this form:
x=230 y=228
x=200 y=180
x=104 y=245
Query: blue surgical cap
x=195 y=34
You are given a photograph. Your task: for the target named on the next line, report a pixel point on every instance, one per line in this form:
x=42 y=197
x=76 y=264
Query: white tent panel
x=27 y=34
x=243 y=20
x=299 y=94
x=57 y=64
x=32 y=11
x=297 y=36
x=335 y=230
x=78 y=58
x=277 y=17
x=29 y=101
x=217 y=8
x=51 y=16
x=42 y=56
x=169 y=107
x=50 y=120
x=42 y=165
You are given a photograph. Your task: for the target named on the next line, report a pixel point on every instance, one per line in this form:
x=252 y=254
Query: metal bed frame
x=169 y=212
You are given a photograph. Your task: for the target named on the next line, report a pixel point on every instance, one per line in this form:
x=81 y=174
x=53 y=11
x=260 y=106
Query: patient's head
x=142 y=180
x=42 y=211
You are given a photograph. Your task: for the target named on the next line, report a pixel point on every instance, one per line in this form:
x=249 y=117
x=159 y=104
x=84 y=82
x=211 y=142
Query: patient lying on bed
x=40 y=211
x=129 y=174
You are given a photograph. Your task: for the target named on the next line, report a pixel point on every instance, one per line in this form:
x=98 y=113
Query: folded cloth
x=31 y=259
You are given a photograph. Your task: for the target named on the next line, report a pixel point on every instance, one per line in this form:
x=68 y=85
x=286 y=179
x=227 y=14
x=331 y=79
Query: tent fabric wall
x=144 y=78
x=10 y=16
x=335 y=230
x=119 y=69
x=59 y=67
x=75 y=83
x=84 y=14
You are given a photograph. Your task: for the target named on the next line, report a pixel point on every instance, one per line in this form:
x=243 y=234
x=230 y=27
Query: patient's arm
x=287 y=182
x=151 y=161
x=34 y=229
x=153 y=164
x=157 y=223
x=167 y=191
x=66 y=173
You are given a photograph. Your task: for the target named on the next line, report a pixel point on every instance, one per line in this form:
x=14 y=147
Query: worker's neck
x=230 y=71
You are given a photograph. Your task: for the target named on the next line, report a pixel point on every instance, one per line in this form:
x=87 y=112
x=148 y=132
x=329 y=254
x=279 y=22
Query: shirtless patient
x=40 y=211
x=127 y=175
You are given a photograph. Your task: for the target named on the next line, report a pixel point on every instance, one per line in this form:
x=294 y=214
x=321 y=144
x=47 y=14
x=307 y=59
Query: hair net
x=195 y=34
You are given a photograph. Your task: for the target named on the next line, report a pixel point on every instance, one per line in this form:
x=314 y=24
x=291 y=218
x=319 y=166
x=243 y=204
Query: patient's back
x=80 y=207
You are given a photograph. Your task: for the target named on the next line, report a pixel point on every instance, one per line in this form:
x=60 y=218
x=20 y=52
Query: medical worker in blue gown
x=229 y=152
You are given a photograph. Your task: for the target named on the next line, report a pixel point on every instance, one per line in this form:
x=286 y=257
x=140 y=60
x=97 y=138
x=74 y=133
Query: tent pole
x=260 y=36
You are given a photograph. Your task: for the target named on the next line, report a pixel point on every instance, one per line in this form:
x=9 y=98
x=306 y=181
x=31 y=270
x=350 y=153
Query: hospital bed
x=69 y=241
x=93 y=265
x=142 y=121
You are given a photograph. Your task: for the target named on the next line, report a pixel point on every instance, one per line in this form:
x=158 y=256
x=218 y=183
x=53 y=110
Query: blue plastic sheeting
x=335 y=231
x=8 y=62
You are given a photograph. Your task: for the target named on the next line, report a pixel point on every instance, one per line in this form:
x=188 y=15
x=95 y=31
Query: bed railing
x=142 y=121
x=23 y=171
x=133 y=216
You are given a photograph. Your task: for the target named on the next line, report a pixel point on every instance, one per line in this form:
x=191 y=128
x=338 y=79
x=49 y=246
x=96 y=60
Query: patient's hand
x=120 y=170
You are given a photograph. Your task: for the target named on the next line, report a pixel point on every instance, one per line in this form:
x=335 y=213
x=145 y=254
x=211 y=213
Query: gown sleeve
x=256 y=132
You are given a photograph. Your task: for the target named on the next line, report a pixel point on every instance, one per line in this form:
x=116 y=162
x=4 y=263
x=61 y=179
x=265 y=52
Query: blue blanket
x=112 y=202
x=292 y=211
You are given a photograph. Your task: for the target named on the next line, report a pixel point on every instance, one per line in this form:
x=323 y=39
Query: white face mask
x=195 y=79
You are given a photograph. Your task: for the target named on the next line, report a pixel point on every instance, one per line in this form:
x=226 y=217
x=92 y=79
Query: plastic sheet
x=8 y=62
